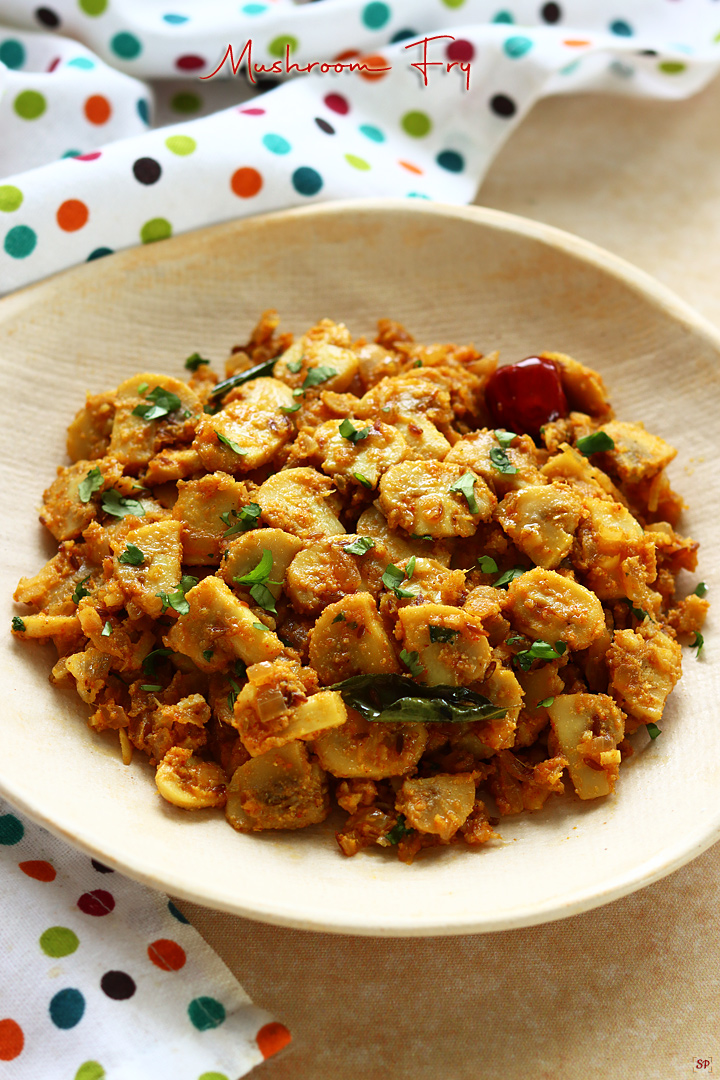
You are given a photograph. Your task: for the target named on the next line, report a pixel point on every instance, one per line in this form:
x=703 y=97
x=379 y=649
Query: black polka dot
x=147 y=170
x=502 y=105
x=324 y=126
x=263 y=83
x=101 y=869
x=403 y=35
x=47 y=17
x=551 y=13
x=117 y=985
x=647 y=52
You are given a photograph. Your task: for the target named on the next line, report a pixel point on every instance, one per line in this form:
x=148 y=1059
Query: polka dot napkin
x=103 y=979
x=441 y=84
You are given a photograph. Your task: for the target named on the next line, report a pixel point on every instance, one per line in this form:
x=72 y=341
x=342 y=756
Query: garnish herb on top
x=18 y=625
x=107 y=629
x=294 y=366
x=163 y=403
x=92 y=483
x=148 y=664
x=399 y=829
x=291 y=408
x=317 y=375
x=361 y=546
x=258 y=580
x=340 y=618
x=504 y=580
x=411 y=660
x=151 y=688
x=80 y=590
x=466 y=486
x=500 y=461
x=698 y=642
x=487 y=564
x=132 y=556
x=397 y=699
x=240 y=377
x=392 y=579
x=700 y=589
x=233 y=695
x=240 y=521
x=208 y=654
x=195 y=361
x=653 y=730
x=443 y=635
x=545 y=703
x=176 y=600
x=540 y=650
x=363 y=480
x=231 y=444
x=118 y=505
x=351 y=433
x=593 y=444
x=505 y=438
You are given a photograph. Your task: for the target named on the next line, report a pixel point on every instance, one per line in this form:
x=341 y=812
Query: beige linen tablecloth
x=630 y=991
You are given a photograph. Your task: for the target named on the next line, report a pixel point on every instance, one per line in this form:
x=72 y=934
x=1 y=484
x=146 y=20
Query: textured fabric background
x=630 y=991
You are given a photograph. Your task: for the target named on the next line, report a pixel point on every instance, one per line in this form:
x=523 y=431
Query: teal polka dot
x=143 y=110
x=417 y=124
x=515 y=47
x=254 y=9
x=306 y=181
x=375 y=15
x=570 y=69
x=81 y=62
x=126 y=46
x=177 y=913
x=206 y=1013
x=175 y=20
x=451 y=160
x=276 y=144
x=67 y=1008
x=503 y=17
x=12 y=829
x=72 y=153
x=99 y=253
x=416 y=195
x=623 y=70
x=371 y=132
x=12 y=53
x=621 y=28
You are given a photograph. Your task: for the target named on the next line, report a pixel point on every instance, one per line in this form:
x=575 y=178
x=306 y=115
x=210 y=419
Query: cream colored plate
x=449 y=274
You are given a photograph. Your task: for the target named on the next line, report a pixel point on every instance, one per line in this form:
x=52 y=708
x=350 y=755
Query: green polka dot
x=93 y=7
x=185 y=102
x=155 y=229
x=515 y=47
x=10 y=198
x=59 y=941
x=91 y=1070
x=213 y=1076
x=12 y=53
x=416 y=124
x=357 y=162
x=672 y=67
x=12 y=829
x=278 y=45
x=206 y=1013
x=29 y=104
x=453 y=3
x=126 y=46
x=182 y=145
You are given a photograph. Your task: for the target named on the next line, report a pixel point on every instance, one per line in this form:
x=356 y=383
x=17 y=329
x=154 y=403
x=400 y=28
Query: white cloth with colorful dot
x=103 y=979
x=85 y=172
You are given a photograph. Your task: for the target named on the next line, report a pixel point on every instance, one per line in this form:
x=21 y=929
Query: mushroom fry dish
x=396 y=574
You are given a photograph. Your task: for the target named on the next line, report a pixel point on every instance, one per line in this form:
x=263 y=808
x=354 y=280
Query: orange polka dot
x=411 y=168
x=374 y=62
x=347 y=55
x=271 y=1038
x=573 y=42
x=12 y=1040
x=246 y=182
x=72 y=215
x=98 y=109
x=167 y=955
x=38 y=869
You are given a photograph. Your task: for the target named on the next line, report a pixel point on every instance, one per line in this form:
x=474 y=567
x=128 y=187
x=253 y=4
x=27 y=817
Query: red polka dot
x=98 y=902
x=12 y=1040
x=98 y=109
x=347 y=55
x=189 y=63
x=88 y=157
x=252 y=112
x=411 y=168
x=337 y=103
x=53 y=64
x=246 y=182
x=167 y=955
x=374 y=62
x=271 y=1038
x=72 y=215
x=460 y=50
x=38 y=869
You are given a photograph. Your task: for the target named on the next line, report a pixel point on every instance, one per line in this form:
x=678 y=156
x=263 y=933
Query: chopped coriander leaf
x=142 y=387
x=150 y=688
x=163 y=402
x=208 y=654
x=240 y=668
x=466 y=486
x=351 y=433
x=297 y=392
x=176 y=600
x=263 y=598
x=132 y=556
x=399 y=829
x=361 y=546
x=233 y=695
x=487 y=564
x=266 y=368
x=418 y=363
x=148 y=664
x=393 y=578
x=411 y=660
x=504 y=580
x=653 y=730
x=92 y=483
x=291 y=408
x=638 y=612
x=211 y=409
x=421 y=536
x=193 y=362
x=294 y=366
x=516 y=639
x=317 y=375
x=410 y=566
x=505 y=438
x=245 y=519
x=443 y=634
x=500 y=461
x=117 y=505
x=363 y=480
x=187 y=582
x=698 y=642
x=260 y=574
x=339 y=618
x=593 y=444
x=233 y=445
x=260 y=626
x=545 y=703
x=107 y=629
x=80 y=591
x=540 y=650
x=17 y=624
x=700 y=589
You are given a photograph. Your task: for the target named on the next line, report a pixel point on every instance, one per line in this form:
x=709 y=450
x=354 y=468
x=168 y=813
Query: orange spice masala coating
x=339 y=579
